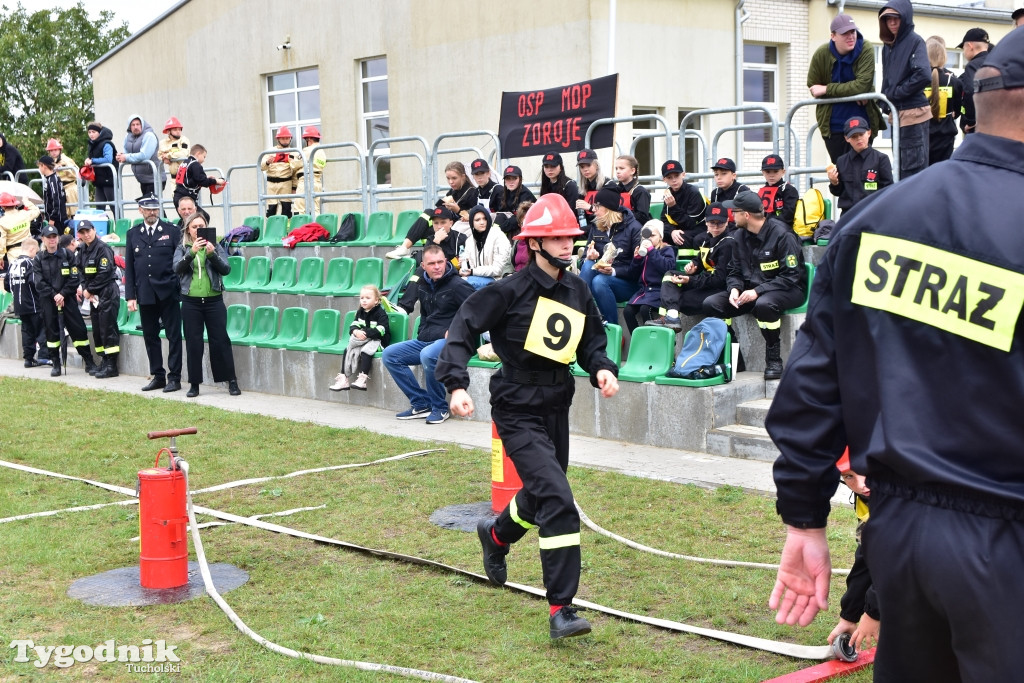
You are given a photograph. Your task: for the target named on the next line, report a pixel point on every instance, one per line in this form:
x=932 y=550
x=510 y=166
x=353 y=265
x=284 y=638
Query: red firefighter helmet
x=52 y=144
x=843 y=464
x=283 y=132
x=172 y=122
x=217 y=189
x=310 y=132
x=8 y=199
x=88 y=173
x=550 y=216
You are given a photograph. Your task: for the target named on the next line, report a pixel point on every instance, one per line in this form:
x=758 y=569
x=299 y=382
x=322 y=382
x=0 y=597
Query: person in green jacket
x=842 y=67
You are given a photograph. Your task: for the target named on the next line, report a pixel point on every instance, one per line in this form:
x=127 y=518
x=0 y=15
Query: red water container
x=163 y=520
x=505 y=482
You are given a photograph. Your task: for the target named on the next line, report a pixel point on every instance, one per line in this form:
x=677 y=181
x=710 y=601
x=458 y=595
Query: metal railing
x=360 y=194
x=435 y=151
x=375 y=191
x=229 y=204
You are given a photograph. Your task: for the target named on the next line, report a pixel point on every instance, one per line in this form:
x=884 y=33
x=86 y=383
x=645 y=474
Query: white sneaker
x=340 y=383
x=360 y=381
x=398 y=252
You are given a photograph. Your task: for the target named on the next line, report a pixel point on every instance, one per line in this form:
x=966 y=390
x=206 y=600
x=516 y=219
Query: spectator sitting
x=860 y=172
x=191 y=177
x=905 y=74
x=554 y=179
x=842 y=67
x=520 y=250
x=635 y=196
x=703 y=276
x=369 y=332
x=591 y=180
x=186 y=206
x=859 y=615
x=653 y=259
x=507 y=197
x=684 y=206
x=726 y=187
x=777 y=195
x=612 y=282
x=488 y=252
x=460 y=198
x=765 y=278
x=483 y=180
x=452 y=244
x=439 y=295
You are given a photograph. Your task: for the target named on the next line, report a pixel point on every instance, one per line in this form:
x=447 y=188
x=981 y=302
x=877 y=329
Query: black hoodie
x=10 y=158
x=906 y=71
x=104 y=176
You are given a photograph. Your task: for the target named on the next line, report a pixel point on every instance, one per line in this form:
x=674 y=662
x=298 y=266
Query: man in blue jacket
x=906 y=72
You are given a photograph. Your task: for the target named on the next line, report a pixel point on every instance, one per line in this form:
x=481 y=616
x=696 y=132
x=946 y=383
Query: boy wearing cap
x=55 y=208
x=19 y=280
x=777 y=195
x=99 y=286
x=726 y=186
x=452 y=244
x=684 y=206
x=56 y=280
x=703 y=276
x=976 y=47
x=860 y=172
x=766 y=277
x=842 y=67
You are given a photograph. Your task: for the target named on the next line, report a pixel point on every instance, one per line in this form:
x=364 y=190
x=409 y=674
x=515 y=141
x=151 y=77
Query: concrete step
x=752 y=413
x=770 y=385
x=742 y=441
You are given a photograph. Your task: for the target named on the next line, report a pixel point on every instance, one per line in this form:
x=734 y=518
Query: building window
x=644 y=150
x=293 y=100
x=373 y=93
x=691 y=148
x=760 y=86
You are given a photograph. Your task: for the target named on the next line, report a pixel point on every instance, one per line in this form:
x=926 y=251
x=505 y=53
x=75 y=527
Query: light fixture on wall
x=287 y=44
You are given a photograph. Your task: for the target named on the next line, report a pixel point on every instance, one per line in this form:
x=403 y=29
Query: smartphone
x=208 y=234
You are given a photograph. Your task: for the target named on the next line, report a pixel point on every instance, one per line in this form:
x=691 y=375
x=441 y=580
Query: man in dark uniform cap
x=99 y=285
x=913 y=354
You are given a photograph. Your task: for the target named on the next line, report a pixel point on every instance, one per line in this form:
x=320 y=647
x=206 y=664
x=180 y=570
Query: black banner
x=556 y=120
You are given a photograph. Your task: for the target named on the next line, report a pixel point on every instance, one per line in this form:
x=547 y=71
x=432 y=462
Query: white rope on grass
x=676 y=556
x=282 y=513
x=204 y=569
x=78 y=508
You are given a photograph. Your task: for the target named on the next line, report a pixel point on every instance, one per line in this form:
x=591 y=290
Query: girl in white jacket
x=488 y=254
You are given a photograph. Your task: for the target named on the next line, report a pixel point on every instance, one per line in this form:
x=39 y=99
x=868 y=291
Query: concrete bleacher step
x=742 y=441
x=752 y=413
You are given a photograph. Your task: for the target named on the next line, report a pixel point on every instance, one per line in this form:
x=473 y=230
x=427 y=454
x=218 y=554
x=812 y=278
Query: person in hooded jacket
x=10 y=159
x=616 y=281
x=141 y=144
x=842 y=67
x=487 y=251
x=653 y=259
x=101 y=154
x=906 y=72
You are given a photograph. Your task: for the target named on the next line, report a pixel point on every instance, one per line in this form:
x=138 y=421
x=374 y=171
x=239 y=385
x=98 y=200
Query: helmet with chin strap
x=550 y=216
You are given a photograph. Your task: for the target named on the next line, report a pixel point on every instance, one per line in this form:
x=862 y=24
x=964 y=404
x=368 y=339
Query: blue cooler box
x=98 y=218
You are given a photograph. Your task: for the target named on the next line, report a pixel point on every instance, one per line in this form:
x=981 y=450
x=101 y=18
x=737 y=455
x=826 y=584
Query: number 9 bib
x=555 y=331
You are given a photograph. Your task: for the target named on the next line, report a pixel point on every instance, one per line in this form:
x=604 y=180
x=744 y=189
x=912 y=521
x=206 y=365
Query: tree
x=45 y=86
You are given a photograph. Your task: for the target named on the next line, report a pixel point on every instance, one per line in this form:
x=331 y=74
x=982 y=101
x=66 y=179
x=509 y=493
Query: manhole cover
x=120 y=587
x=462 y=517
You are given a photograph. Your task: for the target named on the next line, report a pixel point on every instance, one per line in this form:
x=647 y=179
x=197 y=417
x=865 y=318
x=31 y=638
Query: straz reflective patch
x=770 y=265
x=954 y=293
x=555 y=331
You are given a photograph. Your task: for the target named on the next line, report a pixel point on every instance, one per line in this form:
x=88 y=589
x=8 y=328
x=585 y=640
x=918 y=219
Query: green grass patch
x=343 y=604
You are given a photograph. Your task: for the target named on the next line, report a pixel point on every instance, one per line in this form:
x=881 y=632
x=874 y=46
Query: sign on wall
x=556 y=120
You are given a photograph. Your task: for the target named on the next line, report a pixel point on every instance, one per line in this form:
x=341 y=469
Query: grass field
x=337 y=603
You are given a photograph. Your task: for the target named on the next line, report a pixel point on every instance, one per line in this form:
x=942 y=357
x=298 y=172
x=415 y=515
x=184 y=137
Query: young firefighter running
x=539 y=318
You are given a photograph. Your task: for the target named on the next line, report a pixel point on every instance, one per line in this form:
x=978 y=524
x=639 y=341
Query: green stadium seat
x=282 y=276
x=338 y=277
x=613 y=349
x=324 y=331
x=132 y=324
x=802 y=308
x=136 y=221
x=359 y=227
x=368 y=271
x=298 y=220
x=294 y=322
x=238 y=321
x=233 y=279
x=264 y=326
x=122 y=311
x=657 y=210
x=121 y=227
x=254 y=222
x=398 y=325
x=398 y=270
x=402 y=224
x=725 y=359
x=274 y=230
x=378 y=230
x=311 y=277
x=257 y=274
x=687 y=254
x=651 y=354
x=7 y=297
x=329 y=221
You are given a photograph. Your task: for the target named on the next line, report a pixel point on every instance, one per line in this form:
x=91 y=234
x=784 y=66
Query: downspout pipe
x=741 y=16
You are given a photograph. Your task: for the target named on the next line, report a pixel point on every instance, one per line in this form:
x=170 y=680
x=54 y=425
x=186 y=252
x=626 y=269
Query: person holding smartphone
x=201 y=264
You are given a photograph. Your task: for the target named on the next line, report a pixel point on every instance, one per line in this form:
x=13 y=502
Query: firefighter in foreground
x=539 y=319
x=913 y=353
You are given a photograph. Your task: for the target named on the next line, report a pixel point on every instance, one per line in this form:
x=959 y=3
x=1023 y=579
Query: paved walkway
x=631 y=459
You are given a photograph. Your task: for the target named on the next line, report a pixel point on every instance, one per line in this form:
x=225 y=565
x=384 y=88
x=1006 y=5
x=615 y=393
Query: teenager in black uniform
x=55 y=203
x=684 y=206
x=99 y=285
x=485 y=185
x=726 y=186
x=862 y=171
x=539 y=319
x=635 y=196
x=778 y=196
x=912 y=354
x=553 y=179
x=57 y=282
x=507 y=197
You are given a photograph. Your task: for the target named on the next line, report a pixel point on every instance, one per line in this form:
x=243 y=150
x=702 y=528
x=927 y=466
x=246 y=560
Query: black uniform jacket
x=912 y=350
x=149 y=263
x=56 y=273
x=861 y=174
x=96 y=265
x=713 y=259
x=510 y=308
x=439 y=301
x=687 y=214
x=770 y=261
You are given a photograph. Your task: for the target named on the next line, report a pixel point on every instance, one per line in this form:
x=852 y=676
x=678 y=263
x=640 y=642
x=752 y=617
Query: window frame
x=764 y=67
x=366 y=115
x=297 y=123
